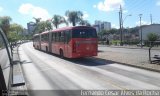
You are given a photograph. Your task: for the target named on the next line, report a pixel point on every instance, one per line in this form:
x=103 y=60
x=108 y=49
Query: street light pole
x=123 y=22
x=140 y=16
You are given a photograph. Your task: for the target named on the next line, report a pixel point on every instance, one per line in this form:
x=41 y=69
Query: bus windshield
x=84 y=33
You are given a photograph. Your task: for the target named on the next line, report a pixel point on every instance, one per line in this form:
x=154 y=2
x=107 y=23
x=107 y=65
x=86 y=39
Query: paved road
x=43 y=71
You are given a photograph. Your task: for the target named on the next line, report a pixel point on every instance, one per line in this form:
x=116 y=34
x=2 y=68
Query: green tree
x=16 y=27
x=101 y=34
x=74 y=17
x=15 y=32
x=13 y=37
x=48 y=25
x=42 y=26
x=57 y=20
x=152 y=37
x=134 y=30
x=112 y=31
x=5 y=23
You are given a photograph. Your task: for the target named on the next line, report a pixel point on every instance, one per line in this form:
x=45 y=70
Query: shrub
x=152 y=37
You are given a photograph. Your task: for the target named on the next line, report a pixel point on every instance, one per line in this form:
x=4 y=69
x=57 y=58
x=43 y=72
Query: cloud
x=1 y=9
x=65 y=17
x=94 y=6
x=85 y=15
x=125 y=11
x=158 y=3
x=142 y=22
x=34 y=11
x=115 y=26
x=109 y=5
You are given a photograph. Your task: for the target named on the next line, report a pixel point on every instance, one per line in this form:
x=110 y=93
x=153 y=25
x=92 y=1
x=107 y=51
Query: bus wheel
x=46 y=49
x=37 y=47
x=61 y=53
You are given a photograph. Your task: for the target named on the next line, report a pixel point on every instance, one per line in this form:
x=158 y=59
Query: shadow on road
x=90 y=61
x=86 y=61
x=99 y=51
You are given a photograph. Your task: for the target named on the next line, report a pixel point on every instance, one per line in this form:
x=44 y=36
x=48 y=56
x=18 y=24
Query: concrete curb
x=141 y=67
x=18 y=82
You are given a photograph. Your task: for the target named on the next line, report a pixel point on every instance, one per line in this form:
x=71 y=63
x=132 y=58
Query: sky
x=23 y=11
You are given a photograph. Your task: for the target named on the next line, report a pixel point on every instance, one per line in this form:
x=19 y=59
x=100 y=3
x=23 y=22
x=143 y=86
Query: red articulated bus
x=69 y=42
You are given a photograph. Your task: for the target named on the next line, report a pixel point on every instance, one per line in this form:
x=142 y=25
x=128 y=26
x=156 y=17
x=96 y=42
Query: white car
x=139 y=44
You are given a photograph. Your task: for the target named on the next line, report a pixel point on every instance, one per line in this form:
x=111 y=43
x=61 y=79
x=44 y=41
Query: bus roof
x=35 y=34
x=45 y=32
x=72 y=27
x=66 y=28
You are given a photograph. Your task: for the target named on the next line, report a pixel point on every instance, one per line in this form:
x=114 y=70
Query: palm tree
x=37 y=19
x=74 y=17
x=57 y=20
x=85 y=23
x=5 y=23
x=42 y=26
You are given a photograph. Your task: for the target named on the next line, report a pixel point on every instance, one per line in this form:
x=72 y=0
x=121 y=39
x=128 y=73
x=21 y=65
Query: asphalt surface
x=44 y=71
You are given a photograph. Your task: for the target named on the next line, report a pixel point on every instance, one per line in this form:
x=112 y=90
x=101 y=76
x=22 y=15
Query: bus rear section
x=45 y=42
x=36 y=41
x=84 y=42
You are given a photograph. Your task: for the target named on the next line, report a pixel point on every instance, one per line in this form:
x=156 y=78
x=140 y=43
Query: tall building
x=31 y=27
x=25 y=32
x=99 y=25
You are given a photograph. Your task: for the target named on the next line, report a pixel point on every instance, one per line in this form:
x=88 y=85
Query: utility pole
x=151 y=18
x=140 y=16
x=120 y=22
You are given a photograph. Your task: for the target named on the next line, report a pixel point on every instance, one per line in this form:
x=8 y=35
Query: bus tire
x=37 y=47
x=61 y=53
x=46 y=49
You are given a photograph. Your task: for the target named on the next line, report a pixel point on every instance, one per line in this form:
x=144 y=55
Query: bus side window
x=67 y=36
x=56 y=35
x=59 y=36
x=46 y=39
x=53 y=37
x=47 y=36
x=42 y=38
x=62 y=36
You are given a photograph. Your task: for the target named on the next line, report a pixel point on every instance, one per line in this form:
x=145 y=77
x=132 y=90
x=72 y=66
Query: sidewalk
x=18 y=82
x=134 y=59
